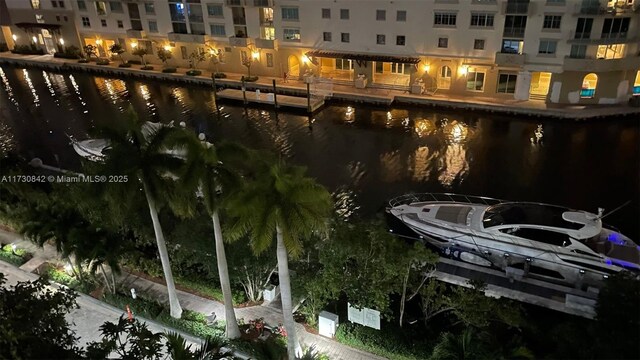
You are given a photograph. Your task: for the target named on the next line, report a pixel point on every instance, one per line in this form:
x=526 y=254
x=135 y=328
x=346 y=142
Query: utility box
x=270 y=292
x=327 y=324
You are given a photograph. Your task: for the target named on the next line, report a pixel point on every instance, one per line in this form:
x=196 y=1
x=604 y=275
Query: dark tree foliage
x=128 y=339
x=33 y=324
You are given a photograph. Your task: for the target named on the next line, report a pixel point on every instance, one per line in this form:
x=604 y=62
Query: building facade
x=554 y=51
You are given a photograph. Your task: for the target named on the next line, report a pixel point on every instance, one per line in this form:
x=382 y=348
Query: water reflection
x=8 y=89
x=453 y=164
x=146 y=95
x=391 y=166
x=49 y=85
x=424 y=127
x=7 y=141
x=36 y=99
x=76 y=88
x=420 y=165
x=113 y=89
x=345 y=203
x=349 y=115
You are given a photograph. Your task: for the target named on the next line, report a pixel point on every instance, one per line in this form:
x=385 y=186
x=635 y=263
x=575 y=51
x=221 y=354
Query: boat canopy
x=528 y=214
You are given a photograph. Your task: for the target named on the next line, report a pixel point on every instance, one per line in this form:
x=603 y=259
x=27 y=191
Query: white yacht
x=547 y=242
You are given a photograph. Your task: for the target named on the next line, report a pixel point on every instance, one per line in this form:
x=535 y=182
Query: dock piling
x=308 y=98
x=244 y=92
x=275 y=96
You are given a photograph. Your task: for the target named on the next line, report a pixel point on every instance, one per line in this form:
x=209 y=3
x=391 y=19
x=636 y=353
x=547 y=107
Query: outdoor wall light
x=255 y=55
x=167 y=47
x=426 y=68
x=134 y=45
x=15 y=37
x=34 y=39
x=305 y=59
x=61 y=41
x=99 y=41
x=464 y=69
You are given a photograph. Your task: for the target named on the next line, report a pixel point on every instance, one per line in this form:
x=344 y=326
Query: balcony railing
x=600 y=65
x=191 y=38
x=509 y=59
x=266 y=43
x=177 y=17
x=263 y=3
x=517 y=8
x=239 y=41
x=514 y=32
x=623 y=9
x=239 y=21
x=266 y=22
x=136 y=34
x=235 y=2
x=196 y=18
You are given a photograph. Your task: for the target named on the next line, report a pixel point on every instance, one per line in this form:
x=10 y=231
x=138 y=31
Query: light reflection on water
x=373 y=152
x=36 y=98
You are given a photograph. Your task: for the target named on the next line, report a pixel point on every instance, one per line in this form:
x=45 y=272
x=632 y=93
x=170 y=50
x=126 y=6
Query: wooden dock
x=267 y=98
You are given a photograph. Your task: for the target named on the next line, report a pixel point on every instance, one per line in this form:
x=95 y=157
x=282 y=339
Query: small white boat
x=547 y=242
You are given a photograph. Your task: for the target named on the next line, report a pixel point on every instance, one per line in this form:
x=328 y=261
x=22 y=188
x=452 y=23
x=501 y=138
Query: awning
x=363 y=57
x=25 y=25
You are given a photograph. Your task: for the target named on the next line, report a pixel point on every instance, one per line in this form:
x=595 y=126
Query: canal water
x=364 y=154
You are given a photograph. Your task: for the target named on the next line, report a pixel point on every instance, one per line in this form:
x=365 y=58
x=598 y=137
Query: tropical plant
x=33 y=323
x=118 y=50
x=90 y=50
x=214 y=171
x=141 y=52
x=164 y=55
x=195 y=58
x=130 y=339
x=280 y=198
x=139 y=151
x=216 y=57
x=211 y=349
x=247 y=59
x=464 y=346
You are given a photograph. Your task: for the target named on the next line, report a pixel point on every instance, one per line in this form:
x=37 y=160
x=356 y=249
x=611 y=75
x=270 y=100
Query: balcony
x=517 y=8
x=239 y=21
x=513 y=33
x=235 y=2
x=186 y=38
x=507 y=59
x=606 y=40
x=239 y=41
x=618 y=9
x=136 y=34
x=262 y=3
x=266 y=22
x=601 y=65
x=266 y=44
x=196 y=18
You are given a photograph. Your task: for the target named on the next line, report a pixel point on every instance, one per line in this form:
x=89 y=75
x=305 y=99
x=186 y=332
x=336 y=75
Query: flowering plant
x=257 y=324
x=280 y=330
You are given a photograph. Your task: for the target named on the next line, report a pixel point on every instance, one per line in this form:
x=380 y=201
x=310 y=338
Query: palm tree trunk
x=174 y=303
x=293 y=345
x=106 y=279
x=233 y=331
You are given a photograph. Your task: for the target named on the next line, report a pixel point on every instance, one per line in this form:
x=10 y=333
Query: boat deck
x=267 y=98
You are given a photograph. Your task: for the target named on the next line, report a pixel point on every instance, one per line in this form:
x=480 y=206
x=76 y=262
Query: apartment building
x=555 y=51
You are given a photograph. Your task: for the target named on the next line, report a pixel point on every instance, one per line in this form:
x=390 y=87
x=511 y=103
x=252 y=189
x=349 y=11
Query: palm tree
x=210 y=171
x=141 y=152
x=464 y=346
x=281 y=200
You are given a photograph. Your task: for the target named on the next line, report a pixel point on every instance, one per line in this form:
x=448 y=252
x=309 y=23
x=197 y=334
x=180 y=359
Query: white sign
x=367 y=317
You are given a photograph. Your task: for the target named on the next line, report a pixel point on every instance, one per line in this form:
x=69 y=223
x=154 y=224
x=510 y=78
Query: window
x=540 y=235
x=54 y=3
x=40 y=19
x=149 y=8
x=35 y=4
x=86 y=22
x=583 y=28
x=326 y=13
x=103 y=22
x=444 y=78
x=615 y=28
x=578 y=51
x=61 y=3
x=381 y=15
x=269 y=60
x=636 y=84
x=507 y=83
x=66 y=19
x=475 y=81
x=82 y=6
x=344 y=37
x=482 y=20
x=183 y=52
x=326 y=36
x=478 y=44
x=153 y=26
x=551 y=22
x=444 y=19
x=555 y=2
x=398 y=68
x=379 y=67
x=120 y=24
x=443 y=43
x=115 y=6
x=344 y=64
x=401 y=15
x=58 y=18
x=290 y=13
x=291 y=34
x=613 y=51
x=547 y=47
x=218 y=30
x=101 y=7
x=400 y=40
x=514 y=26
x=512 y=46
x=589 y=84
x=344 y=14
x=380 y=39
x=214 y=10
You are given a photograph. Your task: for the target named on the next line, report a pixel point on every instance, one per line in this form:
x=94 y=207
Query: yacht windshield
x=527 y=214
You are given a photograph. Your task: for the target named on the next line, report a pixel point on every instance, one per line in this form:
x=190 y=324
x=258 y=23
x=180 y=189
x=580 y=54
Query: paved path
x=349 y=92
x=151 y=290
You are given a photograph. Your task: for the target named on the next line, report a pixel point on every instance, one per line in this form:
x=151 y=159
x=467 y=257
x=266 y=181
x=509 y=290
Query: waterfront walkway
x=87 y=328
x=340 y=91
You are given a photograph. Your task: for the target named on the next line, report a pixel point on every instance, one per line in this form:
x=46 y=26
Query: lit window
x=291 y=34
x=613 y=51
x=589 y=84
x=636 y=84
x=40 y=19
x=101 y=8
x=35 y=4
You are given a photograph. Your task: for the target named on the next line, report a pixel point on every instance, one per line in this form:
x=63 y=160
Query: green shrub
x=102 y=62
x=70 y=52
x=27 y=50
x=380 y=342
x=147 y=67
x=125 y=65
x=194 y=72
x=135 y=62
x=169 y=70
x=83 y=61
x=250 y=78
x=61 y=277
x=220 y=75
x=18 y=258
